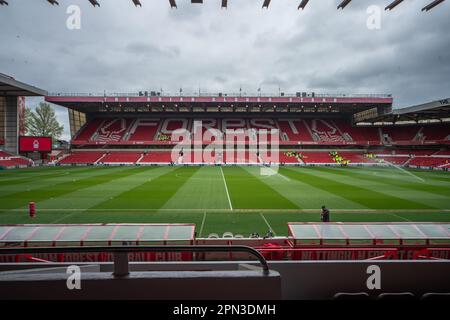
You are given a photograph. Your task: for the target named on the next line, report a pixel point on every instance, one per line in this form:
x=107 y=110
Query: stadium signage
x=411 y=253
x=35 y=144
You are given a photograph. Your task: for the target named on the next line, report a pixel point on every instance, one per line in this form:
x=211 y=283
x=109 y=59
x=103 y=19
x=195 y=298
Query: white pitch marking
x=267 y=223
x=396 y=215
x=226 y=188
x=202 y=225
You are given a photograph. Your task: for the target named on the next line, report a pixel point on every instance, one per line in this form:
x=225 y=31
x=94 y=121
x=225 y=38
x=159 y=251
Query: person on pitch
x=325 y=215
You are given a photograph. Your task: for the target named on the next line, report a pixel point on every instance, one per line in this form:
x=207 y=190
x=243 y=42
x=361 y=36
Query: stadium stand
x=122 y=157
x=156 y=157
x=82 y=157
x=138 y=129
x=429 y=161
x=395 y=160
x=8 y=160
x=317 y=157
x=4 y=154
x=307 y=131
x=88 y=130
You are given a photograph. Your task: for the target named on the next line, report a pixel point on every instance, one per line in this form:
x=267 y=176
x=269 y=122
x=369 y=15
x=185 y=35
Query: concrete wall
x=306 y=279
x=11 y=125
x=224 y=285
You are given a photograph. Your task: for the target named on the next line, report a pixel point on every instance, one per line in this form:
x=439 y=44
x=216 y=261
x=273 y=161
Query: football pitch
x=241 y=200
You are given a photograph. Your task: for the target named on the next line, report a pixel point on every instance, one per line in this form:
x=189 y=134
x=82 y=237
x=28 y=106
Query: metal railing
x=121 y=262
x=218 y=94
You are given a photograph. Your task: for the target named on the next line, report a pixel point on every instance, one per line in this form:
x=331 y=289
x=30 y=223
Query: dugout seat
x=213 y=236
x=436 y=296
x=393 y=296
x=351 y=296
x=227 y=234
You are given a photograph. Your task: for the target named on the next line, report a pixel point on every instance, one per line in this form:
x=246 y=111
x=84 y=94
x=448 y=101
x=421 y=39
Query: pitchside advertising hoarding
x=35 y=144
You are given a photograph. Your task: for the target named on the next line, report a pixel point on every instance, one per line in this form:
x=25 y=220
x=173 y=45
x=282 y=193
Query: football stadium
x=244 y=195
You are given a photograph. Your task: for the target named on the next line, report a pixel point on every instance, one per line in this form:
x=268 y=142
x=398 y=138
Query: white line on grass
x=200 y=210
x=283 y=176
x=226 y=188
x=396 y=215
x=267 y=223
x=202 y=225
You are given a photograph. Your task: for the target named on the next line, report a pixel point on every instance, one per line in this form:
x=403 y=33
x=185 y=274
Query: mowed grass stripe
x=236 y=223
x=61 y=209
x=32 y=177
x=246 y=191
x=382 y=186
x=437 y=176
x=109 y=187
x=33 y=170
x=70 y=184
x=203 y=190
x=52 y=187
x=302 y=194
x=356 y=193
x=152 y=194
x=394 y=180
x=103 y=217
x=37 y=183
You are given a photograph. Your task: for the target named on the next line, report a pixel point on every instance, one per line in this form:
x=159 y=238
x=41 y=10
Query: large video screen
x=35 y=144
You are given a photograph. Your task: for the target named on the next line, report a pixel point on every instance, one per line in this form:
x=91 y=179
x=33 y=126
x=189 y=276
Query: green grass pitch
x=219 y=199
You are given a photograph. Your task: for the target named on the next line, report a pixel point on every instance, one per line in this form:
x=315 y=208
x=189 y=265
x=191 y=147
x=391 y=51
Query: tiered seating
x=14 y=161
x=82 y=157
x=157 y=157
x=359 y=133
x=4 y=154
x=317 y=157
x=295 y=130
x=436 y=132
x=112 y=130
x=89 y=129
x=122 y=157
x=331 y=131
x=9 y=160
x=355 y=157
x=324 y=130
x=397 y=160
x=239 y=157
x=288 y=157
x=401 y=133
x=429 y=161
x=143 y=130
x=414 y=152
x=442 y=153
x=7 y=163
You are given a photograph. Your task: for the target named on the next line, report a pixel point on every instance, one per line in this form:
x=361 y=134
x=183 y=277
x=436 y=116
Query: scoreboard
x=35 y=144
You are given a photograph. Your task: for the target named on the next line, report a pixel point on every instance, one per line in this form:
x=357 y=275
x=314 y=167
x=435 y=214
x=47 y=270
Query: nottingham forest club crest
x=36 y=144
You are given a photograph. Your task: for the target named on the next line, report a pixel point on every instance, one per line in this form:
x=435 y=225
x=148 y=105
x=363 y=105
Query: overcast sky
x=120 y=48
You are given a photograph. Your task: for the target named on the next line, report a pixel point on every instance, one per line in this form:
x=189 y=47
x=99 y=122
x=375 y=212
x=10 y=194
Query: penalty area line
x=226 y=188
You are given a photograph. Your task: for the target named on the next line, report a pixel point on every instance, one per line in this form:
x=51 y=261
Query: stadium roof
x=11 y=87
x=221 y=102
x=265 y=3
x=438 y=110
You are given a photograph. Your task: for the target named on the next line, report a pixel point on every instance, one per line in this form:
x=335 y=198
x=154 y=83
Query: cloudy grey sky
x=120 y=48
